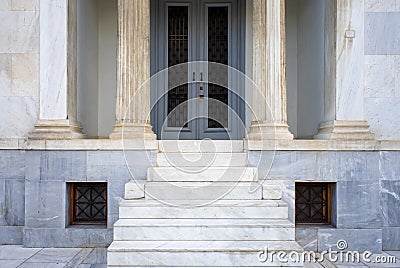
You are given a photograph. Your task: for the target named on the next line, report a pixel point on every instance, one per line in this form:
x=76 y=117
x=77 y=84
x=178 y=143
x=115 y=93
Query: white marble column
x=269 y=72
x=133 y=71
x=58 y=71
x=344 y=72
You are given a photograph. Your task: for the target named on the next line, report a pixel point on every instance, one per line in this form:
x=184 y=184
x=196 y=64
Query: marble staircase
x=200 y=207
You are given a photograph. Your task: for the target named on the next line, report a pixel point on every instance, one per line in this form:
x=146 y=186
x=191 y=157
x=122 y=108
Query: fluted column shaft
x=133 y=71
x=269 y=71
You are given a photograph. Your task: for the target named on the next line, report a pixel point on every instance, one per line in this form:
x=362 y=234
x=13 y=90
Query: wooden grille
x=88 y=203
x=178 y=53
x=313 y=204
x=218 y=35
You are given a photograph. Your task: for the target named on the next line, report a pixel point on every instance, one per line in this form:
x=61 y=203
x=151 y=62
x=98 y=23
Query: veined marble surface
x=53 y=59
x=349 y=60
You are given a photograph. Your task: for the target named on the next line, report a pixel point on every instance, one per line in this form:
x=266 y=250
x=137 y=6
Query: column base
x=344 y=130
x=63 y=129
x=269 y=131
x=131 y=131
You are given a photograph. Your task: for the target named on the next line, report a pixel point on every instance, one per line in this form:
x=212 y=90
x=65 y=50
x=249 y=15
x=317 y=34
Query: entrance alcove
x=305 y=66
x=97 y=66
x=97 y=63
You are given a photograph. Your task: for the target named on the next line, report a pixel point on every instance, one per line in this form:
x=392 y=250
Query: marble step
x=204 y=229
x=201 y=159
x=198 y=253
x=204 y=146
x=188 y=209
x=200 y=174
x=202 y=191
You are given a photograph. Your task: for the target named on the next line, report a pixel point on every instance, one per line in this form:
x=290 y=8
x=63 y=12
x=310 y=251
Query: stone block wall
x=46 y=197
x=19 y=67
x=365 y=202
x=389 y=191
x=34 y=198
x=382 y=67
x=12 y=196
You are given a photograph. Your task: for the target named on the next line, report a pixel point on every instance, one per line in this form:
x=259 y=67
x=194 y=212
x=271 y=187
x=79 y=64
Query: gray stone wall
x=12 y=196
x=46 y=206
x=34 y=199
x=366 y=202
x=389 y=192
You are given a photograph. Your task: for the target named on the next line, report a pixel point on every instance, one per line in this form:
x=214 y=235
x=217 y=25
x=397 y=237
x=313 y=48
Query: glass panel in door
x=178 y=53
x=218 y=52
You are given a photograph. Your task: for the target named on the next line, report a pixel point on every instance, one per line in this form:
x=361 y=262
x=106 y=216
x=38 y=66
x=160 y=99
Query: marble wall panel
x=357 y=239
x=12 y=165
x=12 y=196
x=390 y=202
x=277 y=165
x=3 y=203
x=334 y=166
x=5 y=5
x=380 y=76
x=322 y=166
x=19 y=32
x=14 y=211
x=390 y=238
x=357 y=205
x=25 y=75
x=106 y=166
x=25 y=5
x=53 y=59
x=63 y=166
x=348 y=81
x=307 y=238
x=382 y=5
x=389 y=168
x=32 y=165
x=45 y=204
x=397 y=75
x=382 y=36
x=20 y=116
x=382 y=114
x=11 y=235
x=69 y=237
x=5 y=74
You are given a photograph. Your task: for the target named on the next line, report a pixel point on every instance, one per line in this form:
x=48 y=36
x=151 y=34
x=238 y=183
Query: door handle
x=201 y=93
x=194 y=76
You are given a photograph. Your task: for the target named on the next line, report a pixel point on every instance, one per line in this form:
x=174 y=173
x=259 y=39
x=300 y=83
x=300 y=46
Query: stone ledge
x=137 y=145
x=322 y=145
x=78 y=145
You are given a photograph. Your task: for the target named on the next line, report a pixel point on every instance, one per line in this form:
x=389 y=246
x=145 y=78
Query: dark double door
x=197 y=40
